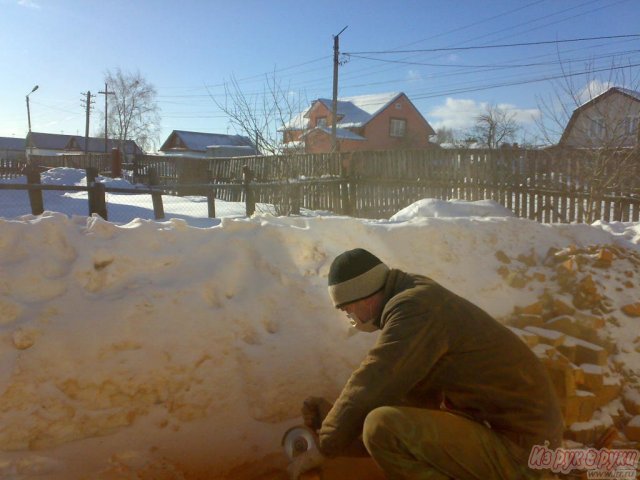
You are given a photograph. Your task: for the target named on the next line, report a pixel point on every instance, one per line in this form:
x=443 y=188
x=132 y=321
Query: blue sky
x=189 y=49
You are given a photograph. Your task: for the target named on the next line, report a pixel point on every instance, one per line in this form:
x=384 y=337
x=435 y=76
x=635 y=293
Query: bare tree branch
x=495 y=127
x=600 y=139
x=133 y=111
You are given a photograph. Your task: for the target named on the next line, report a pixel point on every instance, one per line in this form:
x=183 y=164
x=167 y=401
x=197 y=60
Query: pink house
x=367 y=122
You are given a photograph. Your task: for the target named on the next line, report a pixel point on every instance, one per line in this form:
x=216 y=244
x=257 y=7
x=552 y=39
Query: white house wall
x=611 y=112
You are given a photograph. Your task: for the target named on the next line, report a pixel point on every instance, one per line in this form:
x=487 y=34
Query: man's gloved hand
x=304 y=462
x=314 y=411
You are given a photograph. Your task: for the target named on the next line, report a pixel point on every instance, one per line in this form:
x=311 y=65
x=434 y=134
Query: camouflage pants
x=420 y=444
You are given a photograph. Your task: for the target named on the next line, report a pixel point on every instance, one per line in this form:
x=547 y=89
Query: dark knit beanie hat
x=354 y=275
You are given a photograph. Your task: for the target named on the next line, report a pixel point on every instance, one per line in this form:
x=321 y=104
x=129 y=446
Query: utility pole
x=334 y=105
x=88 y=103
x=106 y=94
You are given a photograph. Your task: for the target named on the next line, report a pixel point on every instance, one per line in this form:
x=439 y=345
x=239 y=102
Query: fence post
x=97 y=200
x=346 y=166
x=156 y=196
x=35 y=196
x=211 y=203
x=92 y=174
x=250 y=202
x=116 y=163
x=96 y=193
x=135 y=173
x=295 y=199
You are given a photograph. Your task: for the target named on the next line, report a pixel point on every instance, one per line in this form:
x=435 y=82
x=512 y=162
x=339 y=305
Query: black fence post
x=96 y=193
x=35 y=195
x=92 y=174
x=211 y=203
x=247 y=176
x=97 y=200
x=156 y=196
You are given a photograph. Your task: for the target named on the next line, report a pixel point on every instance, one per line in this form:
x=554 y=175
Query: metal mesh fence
x=122 y=207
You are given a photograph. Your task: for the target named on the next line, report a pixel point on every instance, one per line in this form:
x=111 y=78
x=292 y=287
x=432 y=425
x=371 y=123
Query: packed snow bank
x=431 y=207
x=628 y=230
x=186 y=352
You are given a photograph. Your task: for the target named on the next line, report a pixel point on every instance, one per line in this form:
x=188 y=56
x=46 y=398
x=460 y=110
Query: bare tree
x=495 y=126
x=264 y=118
x=603 y=138
x=133 y=111
x=445 y=135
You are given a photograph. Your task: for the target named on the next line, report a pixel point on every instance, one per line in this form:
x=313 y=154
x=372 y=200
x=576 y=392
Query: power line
x=479 y=22
x=495 y=66
x=348 y=76
x=506 y=45
x=466 y=26
x=528 y=22
x=522 y=82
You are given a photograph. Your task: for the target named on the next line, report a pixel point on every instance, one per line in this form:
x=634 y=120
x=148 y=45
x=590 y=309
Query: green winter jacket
x=438 y=350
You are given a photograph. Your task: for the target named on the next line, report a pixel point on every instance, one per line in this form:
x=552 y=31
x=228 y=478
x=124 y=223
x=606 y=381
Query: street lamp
x=29 y=120
x=29 y=111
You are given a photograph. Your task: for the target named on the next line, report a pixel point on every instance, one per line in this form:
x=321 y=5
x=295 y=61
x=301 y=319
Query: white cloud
x=460 y=114
x=593 y=89
x=455 y=113
x=523 y=116
x=28 y=4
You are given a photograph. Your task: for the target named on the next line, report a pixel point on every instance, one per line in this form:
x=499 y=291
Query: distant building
x=609 y=120
x=207 y=145
x=12 y=148
x=385 y=121
x=51 y=144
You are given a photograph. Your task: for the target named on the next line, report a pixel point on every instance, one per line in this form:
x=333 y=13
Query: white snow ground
x=162 y=350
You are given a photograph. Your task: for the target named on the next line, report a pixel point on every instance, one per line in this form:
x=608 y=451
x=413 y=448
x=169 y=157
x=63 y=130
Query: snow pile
x=628 y=230
x=159 y=346
x=431 y=207
x=160 y=350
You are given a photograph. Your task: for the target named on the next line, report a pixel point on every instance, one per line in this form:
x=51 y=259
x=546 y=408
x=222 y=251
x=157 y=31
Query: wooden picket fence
x=11 y=168
x=543 y=185
x=100 y=161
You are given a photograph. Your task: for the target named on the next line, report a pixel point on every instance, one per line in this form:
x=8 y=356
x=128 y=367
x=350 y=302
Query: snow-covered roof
x=353 y=112
x=341 y=133
x=222 y=151
x=12 y=143
x=631 y=93
x=62 y=142
x=200 y=141
x=96 y=145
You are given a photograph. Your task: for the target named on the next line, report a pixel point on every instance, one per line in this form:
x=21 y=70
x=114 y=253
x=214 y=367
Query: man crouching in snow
x=447 y=392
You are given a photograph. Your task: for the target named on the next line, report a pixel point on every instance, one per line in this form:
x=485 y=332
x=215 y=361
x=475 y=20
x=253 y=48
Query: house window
x=398 y=106
x=631 y=125
x=397 y=127
x=321 y=122
x=596 y=128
